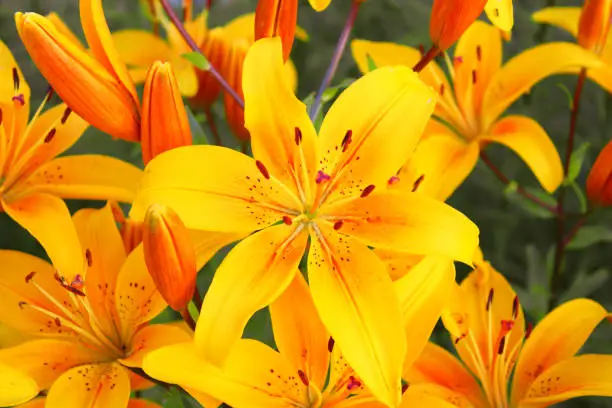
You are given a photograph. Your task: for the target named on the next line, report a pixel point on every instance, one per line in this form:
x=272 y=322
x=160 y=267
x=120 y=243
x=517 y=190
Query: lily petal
x=356 y=301
x=7 y=83
x=406 y=222
x=556 y=338
x=233 y=69
x=501 y=13
x=586 y=375
x=319 y=5
x=398 y=263
x=282 y=135
x=151 y=338
x=90 y=176
x=15 y=387
x=420 y=396
x=277 y=18
x=95 y=385
x=438 y=166
x=47 y=218
x=522 y=72
x=250 y=277
x=299 y=333
x=150 y=48
x=142 y=403
x=602 y=76
x=530 y=141
x=423 y=293
x=60 y=26
x=235 y=199
x=436 y=366
x=566 y=18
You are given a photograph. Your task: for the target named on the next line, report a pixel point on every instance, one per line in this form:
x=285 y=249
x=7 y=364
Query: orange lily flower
x=92 y=326
x=590 y=26
x=33 y=180
x=277 y=18
x=599 y=182
x=256 y=376
x=467 y=117
x=487 y=324
x=324 y=187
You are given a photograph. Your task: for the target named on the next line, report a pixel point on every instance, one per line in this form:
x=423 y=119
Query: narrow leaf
x=198 y=60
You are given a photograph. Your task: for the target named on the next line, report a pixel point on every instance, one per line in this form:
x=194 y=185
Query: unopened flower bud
x=594 y=24
x=277 y=18
x=165 y=124
x=599 y=182
x=216 y=49
x=450 y=19
x=169 y=256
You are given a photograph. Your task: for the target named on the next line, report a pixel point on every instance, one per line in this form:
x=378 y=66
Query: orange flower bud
x=277 y=18
x=599 y=182
x=233 y=75
x=100 y=96
x=165 y=124
x=130 y=230
x=169 y=256
x=594 y=24
x=216 y=51
x=450 y=18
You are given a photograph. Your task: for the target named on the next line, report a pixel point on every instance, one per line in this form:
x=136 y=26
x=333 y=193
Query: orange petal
x=277 y=18
x=594 y=24
x=450 y=18
x=599 y=182
x=233 y=74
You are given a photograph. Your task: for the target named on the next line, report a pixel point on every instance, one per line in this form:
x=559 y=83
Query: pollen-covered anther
x=262 y=169
x=298 y=136
x=490 y=299
x=21 y=304
x=78 y=282
x=528 y=330
x=88 y=257
x=417 y=183
x=502 y=345
x=405 y=387
x=442 y=89
x=393 y=180
x=367 y=191
x=19 y=98
x=461 y=337
x=16 y=81
x=49 y=137
x=287 y=220
x=30 y=276
x=479 y=53
x=346 y=141
x=303 y=377
x=474 y=76
x=330 y=344
x=515 y=307
x=322 y=177
x=67 y=113
x=353 y=383
x=506 y=326
x=338 y=224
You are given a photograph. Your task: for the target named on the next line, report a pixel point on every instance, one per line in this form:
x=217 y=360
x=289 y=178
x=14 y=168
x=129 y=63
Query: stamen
x=0 y=116
x=528 y=330
x=417 y=183
x=303 y=377
x=393 y=180
x=479 y=53
x=22 y=304
x=287 y=220
x=322 y=177
x=353 y=383
x=338 y=225
x=19 y=98
x=405 y=387
x=50 y=136
x=48 y=96
x=458 y=339
x=502 y=344
x=366 y=191
x=29 y=276
x=16 y=81
x=67 y=113
x=348 y=138
x=330 y=344
x=262 y=169
x=490 y=299
x=515 y=307
x=442 y=89
x=78 y=282
x=58 y=322
x=298 y=136
x=88 y=257
x=474 y=77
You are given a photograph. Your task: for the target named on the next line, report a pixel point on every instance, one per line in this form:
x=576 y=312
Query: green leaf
x=580 y=196
x=590 y=235
x=568 y=94
x=371 y=64
x=197 y=132
x=331 y=92
x=537 y=282
x=576 y=161
x=174 y=399
x=198 y=59
x=193 y=311
x=527 y=205
x=585 y=284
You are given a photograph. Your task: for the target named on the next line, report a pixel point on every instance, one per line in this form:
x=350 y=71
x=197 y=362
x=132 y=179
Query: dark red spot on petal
x=458 y=60
x=322 y=177
x=502 y=345
x=22 y=304
x=458 y=339
x=346 y=141
x=442 y=89
x=58 y=322
x=353 y=383
x=16 y=81
x=338 y=225
x=367 y=191
x=303 y=377
x=479 y=53
x=474 y=76
x=490 y=299
x=262 y=169
x=393 y=180
x=417 y=183
x=67 y=113
x=50 y=135
x=29 y=276
x=298 y=136
x=88 y=257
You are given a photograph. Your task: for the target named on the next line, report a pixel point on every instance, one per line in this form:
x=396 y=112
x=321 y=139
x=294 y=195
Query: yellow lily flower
x=467 y=118
x=33 y=180
x=256 y=376
x=133 y=403
x=487 y=324
x=89 y=329
x=331 y=188
x=15 y=387
x=569 y=19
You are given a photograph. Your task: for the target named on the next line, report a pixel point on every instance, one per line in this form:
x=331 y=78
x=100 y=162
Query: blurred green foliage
x=515 y=237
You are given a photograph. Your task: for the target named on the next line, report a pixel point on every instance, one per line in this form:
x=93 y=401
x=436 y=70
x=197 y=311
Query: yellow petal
x=449 y=379
x=566 y=18
x=438 y=166
x=602 y=76
x=96 y=385
x=60 y=356
x=586 y=375
x=47 y=218
x=181 y=364
x=421 y=397
x=522 y=72
x=299 y=333
x=501 y=13
x=35 y=403
x=101 y=43
x=407 y=222
x=530 y=141
x=186 y=78
x=234 y=196
x=480 y=51
x=105 y=255
x=150 y=48
x=282 y=135
x=94 y=177
x=82 y=82
x=398 y=263
x=165 y=125
x=250 y=277
x=151 y=338
x=556 y=338
x=386 y=112
x=15 y=386
x=7 y=84
x=423 y=294
x=356 y=301
x=319 y=5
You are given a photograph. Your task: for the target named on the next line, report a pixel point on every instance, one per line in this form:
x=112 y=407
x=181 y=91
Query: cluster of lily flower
x=380 y=243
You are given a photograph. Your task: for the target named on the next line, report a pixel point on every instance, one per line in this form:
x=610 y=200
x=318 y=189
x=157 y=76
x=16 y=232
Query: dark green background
x=517 y=241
